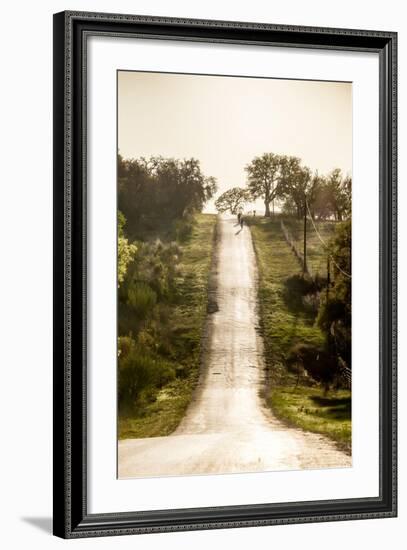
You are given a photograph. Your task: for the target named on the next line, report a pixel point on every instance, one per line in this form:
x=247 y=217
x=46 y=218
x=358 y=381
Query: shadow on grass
x=295 y=289
x=335 y=408
x=292 y=337
x=332 y=401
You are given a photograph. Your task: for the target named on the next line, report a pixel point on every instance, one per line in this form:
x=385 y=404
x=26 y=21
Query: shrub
x=157 y=265
x=183 y=229
x=335 y=313
x=125 y=250
x=316 y=362
x=141 y=298
x=140 y=371
x=296 y=288
x=300 y=285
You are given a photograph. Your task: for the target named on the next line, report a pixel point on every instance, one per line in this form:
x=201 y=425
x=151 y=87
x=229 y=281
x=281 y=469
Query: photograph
x=225 y=273
x=234 y=274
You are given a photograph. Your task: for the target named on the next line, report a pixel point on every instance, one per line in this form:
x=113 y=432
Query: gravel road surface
x=227 y=428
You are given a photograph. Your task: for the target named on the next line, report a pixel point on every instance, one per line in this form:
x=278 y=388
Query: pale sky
x=226 y=121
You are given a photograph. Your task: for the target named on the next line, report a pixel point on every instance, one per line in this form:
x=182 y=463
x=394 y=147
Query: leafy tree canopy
x=125 y=251
x=232 y=200
x=335 y=313
x=161 y=190
x=264 y=178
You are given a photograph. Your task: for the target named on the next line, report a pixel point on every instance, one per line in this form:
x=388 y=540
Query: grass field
x=187 y=318
x=316 y=252
x=285 y=321
x=308 y=409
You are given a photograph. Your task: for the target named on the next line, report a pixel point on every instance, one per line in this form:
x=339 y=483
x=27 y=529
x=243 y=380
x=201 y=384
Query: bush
x=183 y=229
x=142 y=299
x=300 y=285
x=335 y=314
x=157 y=266
x=140 y=371
x=316 y=362
x=301 y=293
x=125 y=250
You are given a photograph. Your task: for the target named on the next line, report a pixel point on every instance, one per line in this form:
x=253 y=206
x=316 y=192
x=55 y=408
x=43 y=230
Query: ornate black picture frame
x=71 y=517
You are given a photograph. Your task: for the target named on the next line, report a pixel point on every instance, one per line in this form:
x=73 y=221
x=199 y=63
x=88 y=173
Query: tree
x=192 y=188
x=339 y=194
x=303 y=191
x=335 y=314
x=297 y=185
x=232 y=200
x=264 y=176
x=314 y=193
x=125 y=251
x=160 y=190
x=321 y=205
x=135 y=188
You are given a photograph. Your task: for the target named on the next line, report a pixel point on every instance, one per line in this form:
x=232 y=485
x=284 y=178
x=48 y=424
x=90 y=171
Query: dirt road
x=227 y=429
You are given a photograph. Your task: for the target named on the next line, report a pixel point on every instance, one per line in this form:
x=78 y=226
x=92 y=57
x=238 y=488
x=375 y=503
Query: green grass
x=286 y=321
x=162 y=414
x=284 y=324
x=161 y=417
x=316 y=252
x=309 y=409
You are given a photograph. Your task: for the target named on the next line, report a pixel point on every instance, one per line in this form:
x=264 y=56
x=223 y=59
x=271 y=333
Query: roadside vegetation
x=316 y=253
x=285 y=320
x=165 y=247
x=305 y=386
x=164 y=257
x=305 y=407
x=304 y=262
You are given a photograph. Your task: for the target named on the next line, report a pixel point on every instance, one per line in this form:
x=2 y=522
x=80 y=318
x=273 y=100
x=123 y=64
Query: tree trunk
x=267 y=209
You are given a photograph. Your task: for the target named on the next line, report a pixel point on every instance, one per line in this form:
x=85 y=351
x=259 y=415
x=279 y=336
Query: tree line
x=330 y=302
x=284 y=179
x=157 y=200
x=155 y=192
x=302 y=194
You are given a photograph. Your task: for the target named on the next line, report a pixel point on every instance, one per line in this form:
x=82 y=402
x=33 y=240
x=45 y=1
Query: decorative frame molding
x=71 y=30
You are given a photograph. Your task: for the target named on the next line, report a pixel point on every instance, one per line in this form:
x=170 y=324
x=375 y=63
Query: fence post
x=328 y=277
x=305 y=241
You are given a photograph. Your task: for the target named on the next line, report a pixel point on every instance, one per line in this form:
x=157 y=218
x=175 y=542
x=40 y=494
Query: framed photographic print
x=224 y=274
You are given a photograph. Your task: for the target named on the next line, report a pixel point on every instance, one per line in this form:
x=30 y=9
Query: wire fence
x=315 y=261
x=345 y=373
x=300 y=256
x=326 y=246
